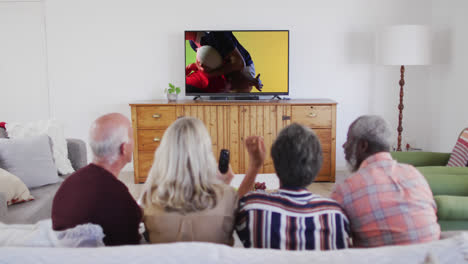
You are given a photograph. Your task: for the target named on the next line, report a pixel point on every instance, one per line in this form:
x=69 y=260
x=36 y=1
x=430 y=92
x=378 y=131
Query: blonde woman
x=185 y=198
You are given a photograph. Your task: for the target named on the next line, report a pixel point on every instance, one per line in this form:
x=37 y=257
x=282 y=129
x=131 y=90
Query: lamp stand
x=401 y=106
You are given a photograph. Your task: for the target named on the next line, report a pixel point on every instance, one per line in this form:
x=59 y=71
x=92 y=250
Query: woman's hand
x=256 y=149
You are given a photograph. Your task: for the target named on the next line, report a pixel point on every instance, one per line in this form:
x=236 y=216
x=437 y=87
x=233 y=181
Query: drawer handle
x=156 y=116
x=312 y=115
x=156 y=139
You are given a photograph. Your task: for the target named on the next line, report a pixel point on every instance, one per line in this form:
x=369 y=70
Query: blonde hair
x=183 y=175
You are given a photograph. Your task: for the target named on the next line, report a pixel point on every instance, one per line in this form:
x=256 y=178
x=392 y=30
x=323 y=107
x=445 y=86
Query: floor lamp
x=404 y=45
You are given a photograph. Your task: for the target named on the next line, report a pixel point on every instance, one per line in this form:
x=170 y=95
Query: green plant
x=172 y=89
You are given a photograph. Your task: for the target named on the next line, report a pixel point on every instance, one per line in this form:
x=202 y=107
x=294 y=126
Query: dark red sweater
x=93 y=195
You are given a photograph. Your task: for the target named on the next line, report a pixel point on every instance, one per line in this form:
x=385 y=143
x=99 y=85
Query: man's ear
x=122 y=149
x=363 y=146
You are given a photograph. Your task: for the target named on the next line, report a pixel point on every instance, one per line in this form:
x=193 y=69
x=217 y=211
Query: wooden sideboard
x=229 y=123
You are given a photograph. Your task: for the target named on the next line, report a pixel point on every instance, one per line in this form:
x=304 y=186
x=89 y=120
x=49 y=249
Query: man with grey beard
x=387 y=203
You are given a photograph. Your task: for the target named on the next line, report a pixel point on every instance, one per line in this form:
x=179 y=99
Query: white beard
x=349 y=166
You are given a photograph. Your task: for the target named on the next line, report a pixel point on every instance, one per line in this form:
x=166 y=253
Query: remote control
x=223 y=161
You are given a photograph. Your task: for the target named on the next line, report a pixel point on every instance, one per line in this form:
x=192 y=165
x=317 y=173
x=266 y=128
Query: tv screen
x=231 y=63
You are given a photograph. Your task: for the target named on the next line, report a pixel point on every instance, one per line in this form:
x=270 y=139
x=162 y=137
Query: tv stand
x=229 y=123
x=197 y=97
x=276 y=97
x=235 y=98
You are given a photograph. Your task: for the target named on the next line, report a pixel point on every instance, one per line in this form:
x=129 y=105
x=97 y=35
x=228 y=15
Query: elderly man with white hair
x=93 y=194
x=386 y=202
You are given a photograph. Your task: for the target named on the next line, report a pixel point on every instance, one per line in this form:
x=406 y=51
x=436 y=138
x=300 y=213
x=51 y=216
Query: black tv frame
x=235 y=96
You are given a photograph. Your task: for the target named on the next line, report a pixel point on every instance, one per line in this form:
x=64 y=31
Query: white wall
x=103 y=54
x=448 y=89
x=23 y=63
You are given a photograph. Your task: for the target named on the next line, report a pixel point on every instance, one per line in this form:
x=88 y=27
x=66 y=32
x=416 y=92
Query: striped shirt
x=291 y=219
x=388 y=204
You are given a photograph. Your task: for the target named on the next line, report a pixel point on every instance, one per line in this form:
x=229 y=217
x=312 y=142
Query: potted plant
x=172 y=92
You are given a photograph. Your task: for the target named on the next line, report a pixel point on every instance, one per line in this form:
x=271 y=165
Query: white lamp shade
x=405 y=45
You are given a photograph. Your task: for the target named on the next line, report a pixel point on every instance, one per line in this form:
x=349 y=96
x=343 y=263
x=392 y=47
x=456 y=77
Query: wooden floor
x=321 y=188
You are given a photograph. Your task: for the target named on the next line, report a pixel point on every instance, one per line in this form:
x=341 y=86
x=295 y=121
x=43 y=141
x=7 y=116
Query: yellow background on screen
x=269 y=52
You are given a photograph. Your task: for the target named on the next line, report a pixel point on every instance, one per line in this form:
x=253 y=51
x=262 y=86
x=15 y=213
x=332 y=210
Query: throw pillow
x=55 y=131
x=30 y=159
x=13 y=188
x=459 y=156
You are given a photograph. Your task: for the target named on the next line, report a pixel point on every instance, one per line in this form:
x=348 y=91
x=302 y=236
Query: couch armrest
x=77 y=153
x=3 y=206
x=420 y=159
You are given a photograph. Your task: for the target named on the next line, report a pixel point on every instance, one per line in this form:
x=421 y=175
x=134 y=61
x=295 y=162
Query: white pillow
x=30 y=159
x=54 y=130
x=13 y=188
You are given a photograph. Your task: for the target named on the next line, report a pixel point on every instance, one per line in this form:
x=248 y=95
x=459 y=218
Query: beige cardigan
x=210 y=225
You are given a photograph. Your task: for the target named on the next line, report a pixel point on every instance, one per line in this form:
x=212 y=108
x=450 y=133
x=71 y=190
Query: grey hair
x=108 y=148
x=183 y=177
x=375 y=130
x=297 y=156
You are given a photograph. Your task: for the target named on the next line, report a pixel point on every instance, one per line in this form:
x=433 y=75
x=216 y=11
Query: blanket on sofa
x=42 y=235
x=451 y=250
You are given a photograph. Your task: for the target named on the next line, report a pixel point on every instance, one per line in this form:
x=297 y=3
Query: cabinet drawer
x=324 y=136
x=145 y=161
x=155 y=117
x=326 y=164
x=312 y=116
x=149 y=140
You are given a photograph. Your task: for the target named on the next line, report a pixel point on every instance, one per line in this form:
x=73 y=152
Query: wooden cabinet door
x=265 y=121
x=222 y=125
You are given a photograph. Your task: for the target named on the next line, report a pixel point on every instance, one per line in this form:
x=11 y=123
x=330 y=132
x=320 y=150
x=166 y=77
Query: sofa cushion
x=453 y=225
x=31 y=212
x=452 y=207
x=459 y=156
x=443 y=170
x=446 y=180
x=54 y=130
x=420 y=158
x=14 y=189
x=30 y=159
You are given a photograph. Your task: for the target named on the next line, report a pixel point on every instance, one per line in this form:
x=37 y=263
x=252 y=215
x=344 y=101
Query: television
x=236 y=64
